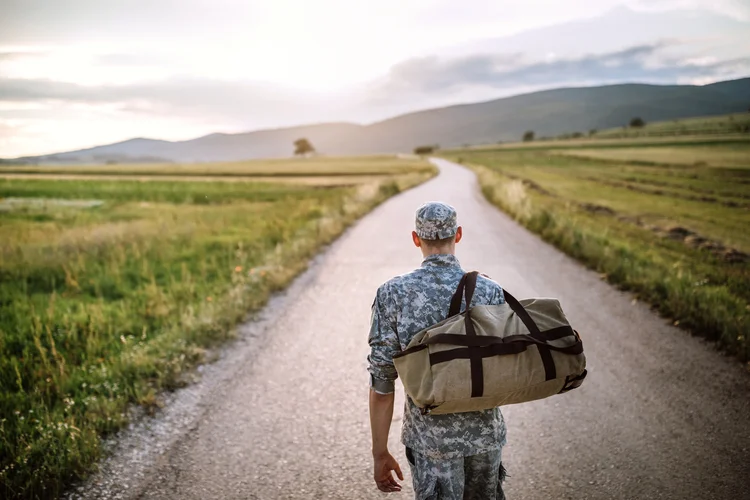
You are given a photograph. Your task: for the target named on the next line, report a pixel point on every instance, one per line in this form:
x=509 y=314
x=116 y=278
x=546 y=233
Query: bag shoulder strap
x=466 y=287
x=458 y=295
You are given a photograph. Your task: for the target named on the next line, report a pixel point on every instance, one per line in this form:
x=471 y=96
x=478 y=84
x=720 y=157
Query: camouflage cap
x=436 y=221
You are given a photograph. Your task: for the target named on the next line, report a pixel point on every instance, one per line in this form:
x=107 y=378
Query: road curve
x=661 y=415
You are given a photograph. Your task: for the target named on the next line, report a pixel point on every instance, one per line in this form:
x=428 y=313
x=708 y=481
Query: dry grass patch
x=736 y=156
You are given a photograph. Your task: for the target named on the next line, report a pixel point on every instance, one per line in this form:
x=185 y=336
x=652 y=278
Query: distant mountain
x=547 y=113
x=213 y=147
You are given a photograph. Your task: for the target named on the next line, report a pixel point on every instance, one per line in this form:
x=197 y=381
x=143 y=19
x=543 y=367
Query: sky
x=80 y=73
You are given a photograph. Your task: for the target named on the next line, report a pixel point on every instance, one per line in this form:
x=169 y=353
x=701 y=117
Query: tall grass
x=106 y=307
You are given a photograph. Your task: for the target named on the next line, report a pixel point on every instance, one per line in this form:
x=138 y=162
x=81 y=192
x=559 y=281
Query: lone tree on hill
x=302 y=147
x=424 y=150
x=528 y=136
x=637 y=122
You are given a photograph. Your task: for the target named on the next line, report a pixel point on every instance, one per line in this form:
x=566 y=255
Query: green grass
x=711 y=155
x=206 y=193
x=300 y=167
x=725 y=124
x=107 y=306
x=673 y=233
x=597 y=143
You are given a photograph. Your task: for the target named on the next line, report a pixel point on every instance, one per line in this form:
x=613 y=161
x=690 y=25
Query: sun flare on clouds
x=78 y=73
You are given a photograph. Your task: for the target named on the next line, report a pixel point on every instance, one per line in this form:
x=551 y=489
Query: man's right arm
x=381 y=414
x=384 y=344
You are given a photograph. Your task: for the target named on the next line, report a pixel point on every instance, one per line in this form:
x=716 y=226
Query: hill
x=548 y=113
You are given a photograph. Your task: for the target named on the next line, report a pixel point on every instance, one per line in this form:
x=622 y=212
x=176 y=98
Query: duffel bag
x=491 y=355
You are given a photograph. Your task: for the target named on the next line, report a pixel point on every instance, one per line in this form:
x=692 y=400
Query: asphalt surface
x=284 y=413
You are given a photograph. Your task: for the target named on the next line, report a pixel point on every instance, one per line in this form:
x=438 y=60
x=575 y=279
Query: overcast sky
x=79 y=73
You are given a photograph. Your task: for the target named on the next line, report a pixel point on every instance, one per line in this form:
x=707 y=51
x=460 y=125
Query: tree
x=592 y=132
x=424 y=150
x=302 y=147
x=528 y=136
x=637 y=123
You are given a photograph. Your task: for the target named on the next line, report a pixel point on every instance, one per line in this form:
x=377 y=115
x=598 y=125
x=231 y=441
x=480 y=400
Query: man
x=454 y=456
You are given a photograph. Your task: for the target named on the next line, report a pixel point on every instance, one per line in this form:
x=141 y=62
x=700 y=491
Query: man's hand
x=384 y=464
x=381 y=413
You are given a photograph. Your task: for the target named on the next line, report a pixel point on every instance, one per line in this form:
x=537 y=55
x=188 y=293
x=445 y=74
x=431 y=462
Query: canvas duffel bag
x=491 y=355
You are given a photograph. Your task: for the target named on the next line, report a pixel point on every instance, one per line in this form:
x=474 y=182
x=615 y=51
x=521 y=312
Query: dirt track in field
x=283 y=413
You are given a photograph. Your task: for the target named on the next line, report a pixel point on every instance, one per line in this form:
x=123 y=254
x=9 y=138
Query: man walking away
x=454 y=456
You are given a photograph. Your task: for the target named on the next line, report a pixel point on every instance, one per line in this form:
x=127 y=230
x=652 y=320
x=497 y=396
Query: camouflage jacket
x=404 y=306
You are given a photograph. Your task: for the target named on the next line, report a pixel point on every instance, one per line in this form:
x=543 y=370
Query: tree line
x=529 y=135
x=303 y=147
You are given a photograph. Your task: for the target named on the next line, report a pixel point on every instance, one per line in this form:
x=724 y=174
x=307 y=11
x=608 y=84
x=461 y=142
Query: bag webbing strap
x=486 y=352
x=481 y=340
x=475 y=352
x=458 y=296
x=466 y=288
x=550 y=372
x=573 y=382
x=522 y=313
x=495 y=349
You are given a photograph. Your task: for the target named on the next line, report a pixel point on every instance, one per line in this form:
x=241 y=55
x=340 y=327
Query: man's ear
x=459 y=234
x=415 y=239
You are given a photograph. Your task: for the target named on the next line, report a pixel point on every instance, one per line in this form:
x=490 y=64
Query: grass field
x=309 y=180
x=600 y=143
x=112 y=289
x=669 y=223
x=307 y=167
x=709 y=155
x=704 y=125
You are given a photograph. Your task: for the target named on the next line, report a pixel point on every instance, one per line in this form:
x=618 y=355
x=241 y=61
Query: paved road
x=662 y=415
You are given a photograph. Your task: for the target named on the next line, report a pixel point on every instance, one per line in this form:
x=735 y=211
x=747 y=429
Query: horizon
x=65 y=88
x=318 y=124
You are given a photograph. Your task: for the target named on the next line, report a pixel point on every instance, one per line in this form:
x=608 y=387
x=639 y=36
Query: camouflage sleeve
x=494 y=292
x=384 y=344
x=498 y=297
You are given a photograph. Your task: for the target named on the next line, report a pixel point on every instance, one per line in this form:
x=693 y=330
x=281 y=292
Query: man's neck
x=437 y=251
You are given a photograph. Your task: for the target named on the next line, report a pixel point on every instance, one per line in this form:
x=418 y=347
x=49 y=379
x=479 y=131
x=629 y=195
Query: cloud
x=734 y=8
x=130 y=59
x=230 y=102
x=18 y=54
x=642 y=63
x=183 y=92
x=415 y=83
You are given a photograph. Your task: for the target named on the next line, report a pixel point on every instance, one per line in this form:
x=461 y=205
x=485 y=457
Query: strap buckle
x=573 y=382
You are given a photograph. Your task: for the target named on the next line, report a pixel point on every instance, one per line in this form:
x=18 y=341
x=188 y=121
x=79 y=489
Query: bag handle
x=458 y=296
x=468 y=284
